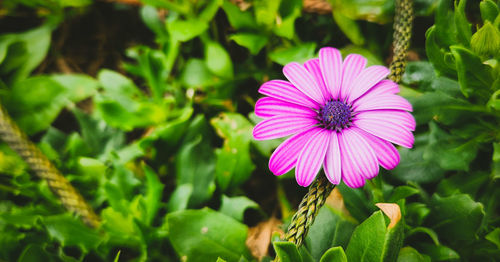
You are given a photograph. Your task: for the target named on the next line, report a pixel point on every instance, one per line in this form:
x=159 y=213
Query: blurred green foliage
x=164 y=152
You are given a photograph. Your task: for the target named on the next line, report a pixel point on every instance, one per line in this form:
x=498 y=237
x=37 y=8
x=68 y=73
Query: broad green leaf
x=409 y=254
x=65 y=227
x=180 y=198
x=185 y=30
x=151 y=19
x=467 y=183
x=446 y=28
x=299 y=54
x=330 y=229
x=438 y=56
x=349 y=27
x=372 y=240
x=209 y=10
x=450 y=152
x=287 y=252
x=35 y=102
x=218 y=60
x=289 y=11
x=34 y=252
x=196 y=74
x=235 y=206
x=378 y=11
x=205 y=235
x=195 y=161
x=414 y=167
x=234 y=164
x=416 y=213
x=253 y=42
x=402 y=192
x=356 y=201
x=474 y=76
x=456 y=218
x=334 y=254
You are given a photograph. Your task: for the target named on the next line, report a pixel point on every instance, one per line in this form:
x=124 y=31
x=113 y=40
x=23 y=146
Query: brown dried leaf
x=259 y=237
x=392 y=211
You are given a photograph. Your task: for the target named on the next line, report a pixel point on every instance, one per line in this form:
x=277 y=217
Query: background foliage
x=147 y=109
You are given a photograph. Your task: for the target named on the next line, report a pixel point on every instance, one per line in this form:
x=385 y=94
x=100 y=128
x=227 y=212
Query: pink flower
x=341 y=116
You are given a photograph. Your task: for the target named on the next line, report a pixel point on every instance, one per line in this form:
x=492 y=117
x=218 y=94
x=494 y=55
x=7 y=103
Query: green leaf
x=235 y=206
x=330 y=229
x=210 y=9
x=489 y=10
x=185 y=30
x=196 y=74
x=402 y=192
x=180 y=198
x=153 y=194
x=205 y=235
x=65 y=227
x=495 y=170
x=298 y=53
x=486 y=41
x=494 y=237
x=439 y=253
x=253 y=42
x=334 y=254
x=237 y=18
x=349 y=27
x=409 y=254
x=450 y=152
x=287 y=252
x=289 y=12
x=35 y=102
x=195 y=161
x=378 y=11
x=34 y=252
x=474 y=76
x=218 y=60
x=463 y=26
x=438 y=56
x=414 y=167
x=266 y=12
x=234 y=164
x=373 y=241
x=150 y=17
x=456 y=218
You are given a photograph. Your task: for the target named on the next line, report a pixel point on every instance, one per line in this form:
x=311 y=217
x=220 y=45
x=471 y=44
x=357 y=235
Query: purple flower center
x=335 y=115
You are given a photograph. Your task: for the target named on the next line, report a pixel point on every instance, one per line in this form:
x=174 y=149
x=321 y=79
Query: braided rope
x=43 y=168
x=321 y=189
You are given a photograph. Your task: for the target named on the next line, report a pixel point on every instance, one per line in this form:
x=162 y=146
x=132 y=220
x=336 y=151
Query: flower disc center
x=335 y=115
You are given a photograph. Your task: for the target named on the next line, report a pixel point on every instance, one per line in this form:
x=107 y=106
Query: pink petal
x=312 y=65
x=384 y=87
x=373 y=102
x=330 y=61
x=351 y=68
x=268 y=107
x=358 y=159
x=311 y=157
x=303 y=81
x=279 y=126
x=285 y=91
x=366 y=80
x=332 y=165
x=386 y=130
x=398 y=117
x=285 y=156
x=387 y=154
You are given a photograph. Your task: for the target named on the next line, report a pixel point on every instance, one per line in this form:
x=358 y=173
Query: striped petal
x=330 y=61
x=374 y=102
x=398 y=117
x=284 y=158
x=386 y=130
x=366 y=80
x=384 y=87
x=285 y=91
x=332 y=164
x=312 y=65
x=358 y=159
x=311 y=157
x=303 y=81
x=387 y=154
x=267 y=107
x=278 y=126
x=351 y=68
